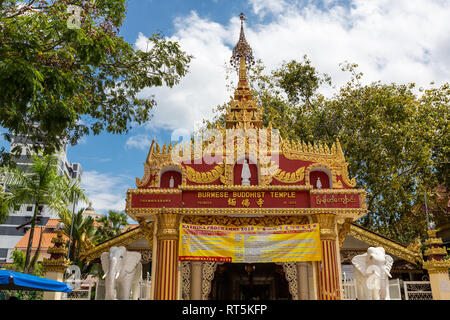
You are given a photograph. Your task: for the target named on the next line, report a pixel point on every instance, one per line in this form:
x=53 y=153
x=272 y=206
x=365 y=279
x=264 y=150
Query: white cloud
x=392 y=41
x=140 y=141
x=105 y=191
x=262 y=7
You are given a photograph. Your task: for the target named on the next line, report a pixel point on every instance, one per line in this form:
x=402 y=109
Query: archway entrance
x=255 y=281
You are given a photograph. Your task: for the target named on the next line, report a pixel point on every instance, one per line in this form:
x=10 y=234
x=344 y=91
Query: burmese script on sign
x=250 y=244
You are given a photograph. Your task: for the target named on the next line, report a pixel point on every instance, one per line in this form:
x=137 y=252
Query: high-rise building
x=22 y=213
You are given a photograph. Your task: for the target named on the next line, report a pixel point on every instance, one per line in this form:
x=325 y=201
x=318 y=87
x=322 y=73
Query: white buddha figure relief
x=318 y=184
x=245 y=174
x=171 y=182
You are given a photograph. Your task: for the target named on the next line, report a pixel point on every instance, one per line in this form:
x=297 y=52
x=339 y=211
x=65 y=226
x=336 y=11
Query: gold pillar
x=437 y=267
x=329 y=280
x=166 y=279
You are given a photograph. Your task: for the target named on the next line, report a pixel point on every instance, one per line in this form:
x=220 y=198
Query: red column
x=166 y=277
x=329 y=279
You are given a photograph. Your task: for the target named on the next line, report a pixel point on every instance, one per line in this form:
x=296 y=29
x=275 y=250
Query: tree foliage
x=110 y=225
x=60 y=80
x=78 y=229
x=394 y=136
x=40 y=184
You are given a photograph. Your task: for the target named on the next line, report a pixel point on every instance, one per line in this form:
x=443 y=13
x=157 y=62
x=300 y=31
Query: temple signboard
x=249 y=244
x=246 y=199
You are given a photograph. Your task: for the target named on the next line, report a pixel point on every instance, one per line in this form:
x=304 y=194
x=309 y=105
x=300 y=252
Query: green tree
x=66 y=72
x=40 y=185
x=395 y=139
x=82 y=229
x=110 y=225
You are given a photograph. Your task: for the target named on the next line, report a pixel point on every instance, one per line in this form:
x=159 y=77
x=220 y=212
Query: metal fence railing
x=417 y=290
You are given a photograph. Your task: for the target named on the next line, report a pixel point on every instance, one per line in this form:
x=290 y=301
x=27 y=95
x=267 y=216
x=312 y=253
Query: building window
x=29 y=208
x=17 y=207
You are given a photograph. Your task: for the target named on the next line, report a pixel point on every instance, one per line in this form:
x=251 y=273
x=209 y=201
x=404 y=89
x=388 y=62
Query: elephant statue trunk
x=123 y=271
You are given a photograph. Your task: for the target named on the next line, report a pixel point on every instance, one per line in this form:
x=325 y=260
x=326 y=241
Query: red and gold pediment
x=206 y=175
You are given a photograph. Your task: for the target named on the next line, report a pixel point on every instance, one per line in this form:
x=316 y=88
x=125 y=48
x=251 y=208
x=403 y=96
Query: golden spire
x=244 y=112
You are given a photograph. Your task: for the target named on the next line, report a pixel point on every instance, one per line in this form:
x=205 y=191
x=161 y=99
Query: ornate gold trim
x=433 y=241
x=435 y=251
x=245 y=221
x=168 y=223
x=55 y=265
x=434 y=266
x=338 y=191
x=320 y=165
x=244 y=188
x=350 y=213
x=391 y=247
x=154 y=191
x=121 y=240
x=204 y=177
x=290 y=177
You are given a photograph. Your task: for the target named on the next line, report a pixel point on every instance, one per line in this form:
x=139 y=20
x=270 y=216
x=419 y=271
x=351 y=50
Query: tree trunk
x=30 y=239
x=36 y=254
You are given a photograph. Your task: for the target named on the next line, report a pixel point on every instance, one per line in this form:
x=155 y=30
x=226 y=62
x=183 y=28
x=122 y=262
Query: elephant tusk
x=117 y=275
x=104 y=276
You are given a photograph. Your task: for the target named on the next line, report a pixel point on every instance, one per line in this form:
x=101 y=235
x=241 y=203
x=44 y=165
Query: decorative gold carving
x=243 y=188
x=435 y=251
x=148 y=230
x=157 y=160
x=433 y=241
x=343 y=213
x=390 y=246
x=57 y=250
x=55 y=265
x=327 y=225
x=186 y=280
x=227 y=177
x=416 y=246
x=290 y=177
x=435 y=266
x=344 y=228
x=204 y=177
x=290 y=272
x=244 y=221
x=168 y=224
x=319 y=166
x=123 y=239
x=208 y=270
x=331 y=158
x=146 y=256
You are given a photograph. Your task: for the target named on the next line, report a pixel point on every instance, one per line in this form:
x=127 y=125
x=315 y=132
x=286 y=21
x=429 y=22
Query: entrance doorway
x=255 y=281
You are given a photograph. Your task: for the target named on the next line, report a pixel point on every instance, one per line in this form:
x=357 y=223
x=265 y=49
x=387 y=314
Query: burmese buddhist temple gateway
x=310 y=185
x=244 y=214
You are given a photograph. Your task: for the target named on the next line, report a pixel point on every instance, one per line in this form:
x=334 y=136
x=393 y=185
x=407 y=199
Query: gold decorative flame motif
x=204 y=177
x=290 y=177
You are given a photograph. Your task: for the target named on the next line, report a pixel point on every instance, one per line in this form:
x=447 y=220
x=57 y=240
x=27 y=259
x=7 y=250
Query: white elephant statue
x=123 y=270
x=372 y=273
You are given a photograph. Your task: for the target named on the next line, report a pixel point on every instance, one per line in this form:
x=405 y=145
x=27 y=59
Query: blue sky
x=392 y=41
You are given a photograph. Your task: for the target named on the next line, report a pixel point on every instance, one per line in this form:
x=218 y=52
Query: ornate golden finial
x=242 y=50
x=244 y=112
